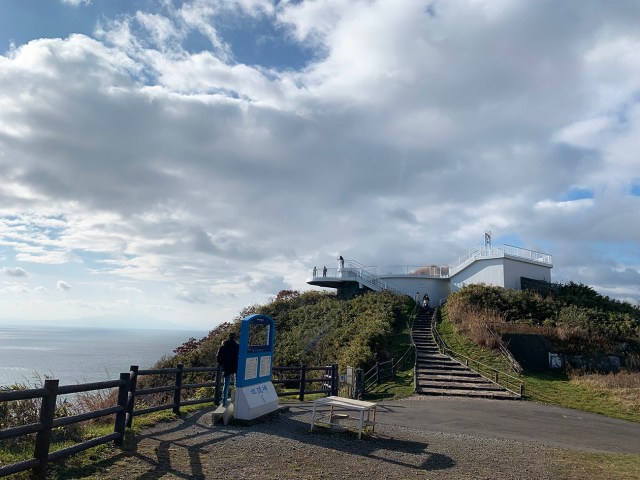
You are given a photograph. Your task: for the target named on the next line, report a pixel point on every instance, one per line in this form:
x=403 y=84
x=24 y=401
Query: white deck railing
x=370 y=276
x=497 y=252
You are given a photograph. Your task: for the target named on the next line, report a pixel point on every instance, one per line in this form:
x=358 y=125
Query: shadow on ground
x=183 y=448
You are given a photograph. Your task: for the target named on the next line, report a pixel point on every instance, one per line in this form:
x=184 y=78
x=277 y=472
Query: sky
x=167 y=163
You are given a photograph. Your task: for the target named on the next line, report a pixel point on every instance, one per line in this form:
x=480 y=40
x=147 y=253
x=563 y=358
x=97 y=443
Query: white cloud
x=14 y=271
x=76 y=3
x=134 y=159
x=62 y=285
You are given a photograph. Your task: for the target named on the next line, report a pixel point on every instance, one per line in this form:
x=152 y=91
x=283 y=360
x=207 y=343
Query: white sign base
x=255 y=400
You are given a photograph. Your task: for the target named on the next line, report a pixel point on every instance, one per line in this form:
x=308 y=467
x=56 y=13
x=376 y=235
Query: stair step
x=477 y=379
x=469 y=393
x=433 y=361
x=461 y=375
x=439 y=374
x=461 y=386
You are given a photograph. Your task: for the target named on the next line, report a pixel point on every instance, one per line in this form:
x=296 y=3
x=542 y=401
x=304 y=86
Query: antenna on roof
x=487 y=239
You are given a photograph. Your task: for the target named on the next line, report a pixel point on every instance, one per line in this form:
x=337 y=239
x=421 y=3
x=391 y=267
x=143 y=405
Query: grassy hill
x=316 y=328
x=575 y=320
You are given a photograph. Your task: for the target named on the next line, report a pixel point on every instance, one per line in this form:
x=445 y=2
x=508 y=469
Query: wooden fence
x=289 y=381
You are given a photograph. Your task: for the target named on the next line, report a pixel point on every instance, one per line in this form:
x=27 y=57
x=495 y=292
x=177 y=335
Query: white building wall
x=514 y=269
x=489 y=271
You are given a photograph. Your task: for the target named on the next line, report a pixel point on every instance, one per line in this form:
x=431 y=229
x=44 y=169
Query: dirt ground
x=193 y=447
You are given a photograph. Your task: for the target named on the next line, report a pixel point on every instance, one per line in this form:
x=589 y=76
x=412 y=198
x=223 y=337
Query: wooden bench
x=341 y=403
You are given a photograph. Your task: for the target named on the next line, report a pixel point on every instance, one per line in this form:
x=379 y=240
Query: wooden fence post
x=177 y=394
x=121 y=416
x=335 y=383
x=217 y=393
x=133 y=382
x=303 y=378
x=43 y=437
x=377 y=373
x=393 y=368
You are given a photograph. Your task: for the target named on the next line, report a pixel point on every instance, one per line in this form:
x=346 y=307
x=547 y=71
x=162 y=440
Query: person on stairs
x=425 y=302
x=227 y=357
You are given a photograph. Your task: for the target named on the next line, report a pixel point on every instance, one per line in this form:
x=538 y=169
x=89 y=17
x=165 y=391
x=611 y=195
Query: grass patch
x=399 y=387
x=624 y=386
x=465 y=346
x=551 y=387
x=560 y=389
x=613 y=466
x=95 y=459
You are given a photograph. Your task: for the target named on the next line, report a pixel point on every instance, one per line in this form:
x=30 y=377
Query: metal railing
x=436 y=271
x=497 y=252
x=370 y=275
x=502 y=379
x=387 y=369
x=515 y=366
x=368 y=278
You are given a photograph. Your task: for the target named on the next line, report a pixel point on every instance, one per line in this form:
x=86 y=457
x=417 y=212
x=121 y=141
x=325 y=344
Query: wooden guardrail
x=325 y=382
x=44 y=428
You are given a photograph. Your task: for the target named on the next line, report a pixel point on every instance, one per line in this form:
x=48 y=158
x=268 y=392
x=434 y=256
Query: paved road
x=517 y=420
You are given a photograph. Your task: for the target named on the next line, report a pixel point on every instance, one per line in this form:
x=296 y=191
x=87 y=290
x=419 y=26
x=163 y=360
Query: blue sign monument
x=255 y=394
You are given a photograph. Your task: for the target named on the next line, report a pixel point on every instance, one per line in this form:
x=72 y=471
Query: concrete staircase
x=439 y=374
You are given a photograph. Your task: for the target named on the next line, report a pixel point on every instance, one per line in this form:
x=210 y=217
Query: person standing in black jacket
x=228 y=358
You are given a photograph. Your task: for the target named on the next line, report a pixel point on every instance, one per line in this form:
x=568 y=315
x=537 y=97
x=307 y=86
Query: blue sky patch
x=576 y=194
x=259 y=41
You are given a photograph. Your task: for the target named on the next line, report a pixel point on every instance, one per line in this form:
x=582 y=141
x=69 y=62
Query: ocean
x=74 y=355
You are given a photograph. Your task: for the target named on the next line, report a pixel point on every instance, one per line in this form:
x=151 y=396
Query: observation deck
x=409 y=279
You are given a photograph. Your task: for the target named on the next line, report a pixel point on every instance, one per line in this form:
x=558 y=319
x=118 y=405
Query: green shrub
x=574 y=318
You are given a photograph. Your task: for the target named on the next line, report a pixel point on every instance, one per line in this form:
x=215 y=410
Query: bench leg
x=313 y=416
x=373 y=429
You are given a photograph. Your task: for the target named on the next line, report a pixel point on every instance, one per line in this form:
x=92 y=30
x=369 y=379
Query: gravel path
x=283 y=448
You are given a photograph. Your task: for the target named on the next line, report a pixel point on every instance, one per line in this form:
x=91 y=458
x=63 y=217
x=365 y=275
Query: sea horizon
x=81 y=354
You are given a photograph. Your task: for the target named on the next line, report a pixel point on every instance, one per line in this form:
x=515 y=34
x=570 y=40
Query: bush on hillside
x=574 y=318
x=314 y=328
